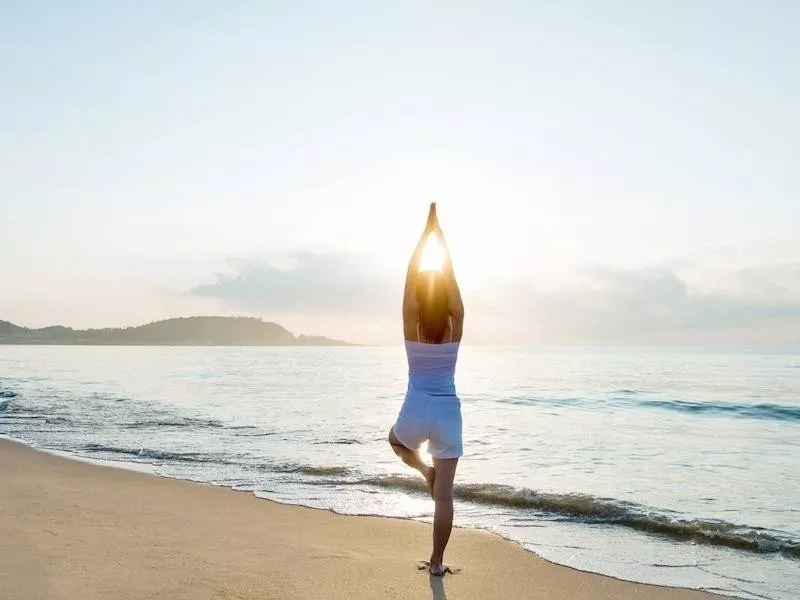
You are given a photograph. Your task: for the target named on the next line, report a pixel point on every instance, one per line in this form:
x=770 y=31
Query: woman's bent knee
x=394 y=442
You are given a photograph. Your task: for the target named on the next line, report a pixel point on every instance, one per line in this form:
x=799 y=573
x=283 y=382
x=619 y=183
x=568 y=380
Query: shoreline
x=71 y=527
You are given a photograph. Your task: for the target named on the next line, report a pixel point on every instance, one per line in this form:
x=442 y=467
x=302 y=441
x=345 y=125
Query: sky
x=606 y=172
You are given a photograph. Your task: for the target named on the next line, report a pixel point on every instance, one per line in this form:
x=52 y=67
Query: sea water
x=674 y=467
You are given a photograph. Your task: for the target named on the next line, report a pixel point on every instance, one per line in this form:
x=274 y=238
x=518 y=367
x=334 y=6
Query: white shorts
x=433 y=418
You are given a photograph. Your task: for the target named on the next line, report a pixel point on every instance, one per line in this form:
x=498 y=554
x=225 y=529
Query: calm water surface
x=670 y=467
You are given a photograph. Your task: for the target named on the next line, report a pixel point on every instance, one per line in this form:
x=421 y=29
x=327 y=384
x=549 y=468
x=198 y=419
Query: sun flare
x=432 y=255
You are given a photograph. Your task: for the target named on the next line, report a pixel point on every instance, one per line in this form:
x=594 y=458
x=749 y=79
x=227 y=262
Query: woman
x=433 y=320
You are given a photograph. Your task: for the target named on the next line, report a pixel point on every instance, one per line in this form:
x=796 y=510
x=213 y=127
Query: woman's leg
x=443 y=513
x=413 y=460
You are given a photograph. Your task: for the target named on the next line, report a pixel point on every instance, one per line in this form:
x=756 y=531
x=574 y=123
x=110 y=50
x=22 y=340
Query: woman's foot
x=437 y=569
x=430 y=478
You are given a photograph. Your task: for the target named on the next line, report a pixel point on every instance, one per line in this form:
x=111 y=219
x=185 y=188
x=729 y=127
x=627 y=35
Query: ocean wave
x=148 y=454
x=175 y=423
x=777 y=412
x=631 y=398
x=340 y=441
x=590 y=509
x=309 y=470
x=534 y=400
x=37 y=419
x=5 y=398
x=152 y=455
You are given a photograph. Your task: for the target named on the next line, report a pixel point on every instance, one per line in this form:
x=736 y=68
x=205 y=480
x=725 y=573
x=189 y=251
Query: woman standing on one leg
x=433 y=321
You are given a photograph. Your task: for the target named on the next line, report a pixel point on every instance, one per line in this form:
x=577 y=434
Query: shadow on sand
x=437 y=582
x=437 y=588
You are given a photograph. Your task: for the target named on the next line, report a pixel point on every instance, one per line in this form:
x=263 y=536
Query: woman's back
x=432 y=368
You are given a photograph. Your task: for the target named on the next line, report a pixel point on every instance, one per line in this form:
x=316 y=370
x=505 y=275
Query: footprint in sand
x=424 y=565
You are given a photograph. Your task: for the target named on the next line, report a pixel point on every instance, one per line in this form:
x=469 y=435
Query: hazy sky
x=606 y=172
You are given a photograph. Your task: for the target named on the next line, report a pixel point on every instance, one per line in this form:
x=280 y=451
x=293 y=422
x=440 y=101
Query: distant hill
x=184 y=331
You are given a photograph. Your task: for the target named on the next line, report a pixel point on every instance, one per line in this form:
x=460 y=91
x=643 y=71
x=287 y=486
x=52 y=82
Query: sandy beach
x=73 y=530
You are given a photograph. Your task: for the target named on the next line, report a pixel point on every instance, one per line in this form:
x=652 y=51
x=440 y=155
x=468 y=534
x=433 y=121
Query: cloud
x=596 y=305
x=306 y=283
x=654 y=305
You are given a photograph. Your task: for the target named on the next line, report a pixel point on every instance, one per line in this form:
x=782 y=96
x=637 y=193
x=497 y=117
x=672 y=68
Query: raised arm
x=410 y=306
x=455 y=303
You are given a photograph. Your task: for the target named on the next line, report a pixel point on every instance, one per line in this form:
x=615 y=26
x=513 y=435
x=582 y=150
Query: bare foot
x=436 y=569
x=430 y=477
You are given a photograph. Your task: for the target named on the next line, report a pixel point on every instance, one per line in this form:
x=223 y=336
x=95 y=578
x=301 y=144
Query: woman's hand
x=433 y=220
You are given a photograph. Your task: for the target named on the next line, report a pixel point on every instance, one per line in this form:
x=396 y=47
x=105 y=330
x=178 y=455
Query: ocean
x=674 y=467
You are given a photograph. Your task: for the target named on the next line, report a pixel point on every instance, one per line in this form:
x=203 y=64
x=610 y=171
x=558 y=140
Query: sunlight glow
x=432 y=255
x=425 y=450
